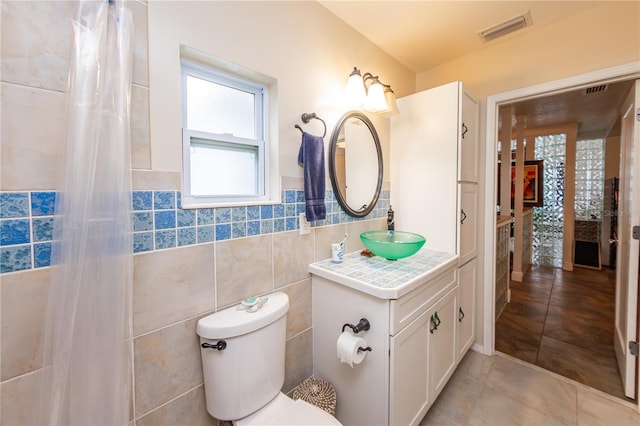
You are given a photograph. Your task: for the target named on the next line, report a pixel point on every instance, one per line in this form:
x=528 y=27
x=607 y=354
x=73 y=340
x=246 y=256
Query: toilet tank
x=249 y=371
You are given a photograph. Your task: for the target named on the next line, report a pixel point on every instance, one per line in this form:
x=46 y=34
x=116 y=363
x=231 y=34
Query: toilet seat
x=284 y=411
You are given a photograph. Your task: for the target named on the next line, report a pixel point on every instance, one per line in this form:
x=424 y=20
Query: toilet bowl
x=283 y=410
x=243 y=359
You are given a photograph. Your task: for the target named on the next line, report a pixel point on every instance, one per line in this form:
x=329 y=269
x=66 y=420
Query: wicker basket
x=317 y=392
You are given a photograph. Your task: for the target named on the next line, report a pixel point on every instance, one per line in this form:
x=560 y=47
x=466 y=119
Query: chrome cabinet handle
x=432 y=326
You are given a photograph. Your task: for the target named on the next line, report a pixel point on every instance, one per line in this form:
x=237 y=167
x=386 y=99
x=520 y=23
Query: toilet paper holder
x=363 y=325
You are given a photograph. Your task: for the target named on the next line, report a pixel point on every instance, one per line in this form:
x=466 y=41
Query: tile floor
x=501 y=390
x=564 y=322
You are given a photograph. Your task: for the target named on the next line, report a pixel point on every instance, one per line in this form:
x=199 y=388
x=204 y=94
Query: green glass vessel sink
x=392 y=245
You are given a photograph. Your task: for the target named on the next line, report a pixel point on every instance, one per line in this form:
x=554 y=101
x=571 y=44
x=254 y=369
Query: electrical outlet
x=305 y=226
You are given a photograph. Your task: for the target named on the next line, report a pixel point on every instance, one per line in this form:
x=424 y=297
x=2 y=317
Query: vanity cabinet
x=468 y=139
x=468 y=222
x=422 y=359
x=466 y=319
x=434 y=167
x=413 y=335
x=409 y=369
x=442 y=342
x=434 y=182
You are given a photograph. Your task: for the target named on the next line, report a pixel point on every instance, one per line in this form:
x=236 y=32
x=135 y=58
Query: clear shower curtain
x=86 y=375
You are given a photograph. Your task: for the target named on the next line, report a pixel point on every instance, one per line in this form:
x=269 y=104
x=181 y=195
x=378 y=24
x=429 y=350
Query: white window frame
x=261 y=114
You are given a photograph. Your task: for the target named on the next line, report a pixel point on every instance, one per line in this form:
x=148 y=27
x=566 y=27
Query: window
x=548 y=221
x=589 y=189
x=225 y=153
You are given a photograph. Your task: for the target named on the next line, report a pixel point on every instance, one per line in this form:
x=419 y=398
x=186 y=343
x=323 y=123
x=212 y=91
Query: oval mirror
x=355 y=164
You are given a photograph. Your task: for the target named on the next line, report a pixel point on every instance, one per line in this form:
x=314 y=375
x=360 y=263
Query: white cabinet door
x=442 y=342
x=467 y=222
x=466 y=307
x=409 y=373
x=423 y=159
x=468 y=140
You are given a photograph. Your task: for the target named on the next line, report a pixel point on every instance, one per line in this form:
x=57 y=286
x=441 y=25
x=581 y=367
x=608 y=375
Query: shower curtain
x=86 y=374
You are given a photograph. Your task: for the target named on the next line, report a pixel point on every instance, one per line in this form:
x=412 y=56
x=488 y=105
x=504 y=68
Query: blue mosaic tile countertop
x=386 y=279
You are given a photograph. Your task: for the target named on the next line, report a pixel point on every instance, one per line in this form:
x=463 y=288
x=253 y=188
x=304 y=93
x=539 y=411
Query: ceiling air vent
x=595 y=89
x=507 y=27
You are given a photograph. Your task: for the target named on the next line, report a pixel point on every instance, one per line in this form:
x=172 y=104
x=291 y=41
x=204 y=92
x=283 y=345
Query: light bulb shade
x=355 y=90
x=390 y=97
x=376 y=101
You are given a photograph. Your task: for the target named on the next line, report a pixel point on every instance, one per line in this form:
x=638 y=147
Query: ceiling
x=424 y=34
x=595 y=112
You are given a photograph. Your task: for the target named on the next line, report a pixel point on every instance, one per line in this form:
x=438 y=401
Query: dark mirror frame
x=350 y=210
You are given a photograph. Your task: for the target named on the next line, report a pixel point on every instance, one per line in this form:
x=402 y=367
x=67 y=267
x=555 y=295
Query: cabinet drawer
x=410 y=306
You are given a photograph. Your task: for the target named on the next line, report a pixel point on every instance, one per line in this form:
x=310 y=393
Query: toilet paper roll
x=348 y=345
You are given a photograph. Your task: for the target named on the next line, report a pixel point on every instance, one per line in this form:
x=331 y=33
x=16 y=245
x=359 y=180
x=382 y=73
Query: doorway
x=493 y=102
x=563 y=322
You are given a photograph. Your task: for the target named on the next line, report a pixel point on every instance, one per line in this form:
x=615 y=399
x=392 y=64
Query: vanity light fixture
x=368 y=92
x=390 y=97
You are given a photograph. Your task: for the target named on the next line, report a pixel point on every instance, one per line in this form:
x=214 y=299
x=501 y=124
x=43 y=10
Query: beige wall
x=307 y=50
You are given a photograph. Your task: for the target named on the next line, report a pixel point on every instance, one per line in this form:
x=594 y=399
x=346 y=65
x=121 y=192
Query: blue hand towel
x=311 y=156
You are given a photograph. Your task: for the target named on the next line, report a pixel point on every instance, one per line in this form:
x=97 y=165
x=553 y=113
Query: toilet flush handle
x=221 y=345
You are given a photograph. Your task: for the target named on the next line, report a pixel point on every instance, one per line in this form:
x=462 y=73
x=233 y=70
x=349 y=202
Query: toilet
x=243 y=357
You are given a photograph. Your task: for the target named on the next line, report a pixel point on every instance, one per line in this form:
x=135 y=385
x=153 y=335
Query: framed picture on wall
x=532 y=186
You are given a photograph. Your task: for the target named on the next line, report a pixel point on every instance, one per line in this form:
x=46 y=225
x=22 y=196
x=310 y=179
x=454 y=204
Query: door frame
x=607 y=75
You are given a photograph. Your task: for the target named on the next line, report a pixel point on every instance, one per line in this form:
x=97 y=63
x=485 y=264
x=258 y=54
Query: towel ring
x=307 y=117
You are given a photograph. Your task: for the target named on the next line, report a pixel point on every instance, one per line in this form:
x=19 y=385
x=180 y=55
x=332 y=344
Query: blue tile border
x=164 y=200
x=42 y=228
x=186 y=236
x=239 y=214
x=142 y=241
x=238 y=229
x=205 y=216
x=15 y=258
x=165 y=219
x=266 y=212
x=42 y=255
x=253 y=213
x=142 y=221
x=142 y=200
x=14 y=204
x=205 y=234
x=14 y=231
x=158 y=222
x=223 y=215
x=223 y=232
x=43 y=203
x=165 y=239
x=253 y=228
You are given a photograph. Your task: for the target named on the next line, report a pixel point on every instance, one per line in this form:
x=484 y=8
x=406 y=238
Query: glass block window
x=548 y=221
x=589 y=179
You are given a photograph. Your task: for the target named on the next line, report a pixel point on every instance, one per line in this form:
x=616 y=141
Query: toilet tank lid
x=231 y=322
